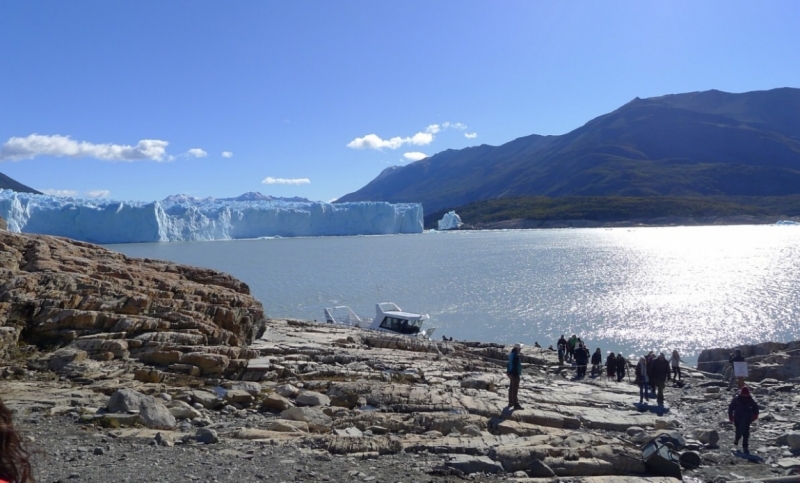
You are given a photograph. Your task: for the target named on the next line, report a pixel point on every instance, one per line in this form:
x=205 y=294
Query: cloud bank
x=197 y=153
x=470 y=135
x=296 y=181
x=227 y=154
x=98 y=193
x=18 y=148
x=422 y=138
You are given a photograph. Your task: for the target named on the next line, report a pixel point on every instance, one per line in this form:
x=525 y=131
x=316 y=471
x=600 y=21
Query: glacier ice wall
x=183 y=218
x=449 y=221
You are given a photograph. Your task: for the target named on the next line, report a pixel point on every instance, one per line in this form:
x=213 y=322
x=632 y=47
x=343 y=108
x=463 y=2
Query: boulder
x=182 y=410
x=539 y=469
x=206 y=436
x=238 y=396
x=311 y=398
x=152 y=413
x=316 y=419
x=708 y=437
x=473 y=464
x=287 y=426
x=287 y=390
x=791 y=439
x=277 y=402
x=478 y=381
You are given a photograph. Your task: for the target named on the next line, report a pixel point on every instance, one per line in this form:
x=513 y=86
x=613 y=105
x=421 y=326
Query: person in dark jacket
x=742 y=411
x=514 y=372
x=650 y=357
x=659 y=373
x=642 y=379
x=562 y=349
x=581 y=360
x=620 y=366
x=611 y=366
x=597 y=358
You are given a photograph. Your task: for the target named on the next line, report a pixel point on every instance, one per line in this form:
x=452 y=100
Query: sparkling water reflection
x=633 y=290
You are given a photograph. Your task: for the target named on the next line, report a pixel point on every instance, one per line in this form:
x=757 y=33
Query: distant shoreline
x=522 y=223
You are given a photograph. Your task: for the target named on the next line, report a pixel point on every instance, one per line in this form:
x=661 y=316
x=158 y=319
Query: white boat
x=388 y=318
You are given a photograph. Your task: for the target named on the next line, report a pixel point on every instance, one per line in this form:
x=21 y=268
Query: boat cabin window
x=403 y=326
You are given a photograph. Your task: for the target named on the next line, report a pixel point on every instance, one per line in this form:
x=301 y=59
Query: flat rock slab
x=605 y=479
x=597 y=418
x=789 y=463
x=473 y=464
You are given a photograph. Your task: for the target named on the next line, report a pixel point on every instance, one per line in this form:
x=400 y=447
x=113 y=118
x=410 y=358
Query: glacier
x=185 y=218
x=449 y=221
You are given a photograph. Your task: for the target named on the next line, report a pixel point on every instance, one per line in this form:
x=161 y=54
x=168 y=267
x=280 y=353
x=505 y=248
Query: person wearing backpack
x=742 y=411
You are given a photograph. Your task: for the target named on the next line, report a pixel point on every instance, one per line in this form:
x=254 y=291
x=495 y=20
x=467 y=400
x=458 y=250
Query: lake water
x=628 y=289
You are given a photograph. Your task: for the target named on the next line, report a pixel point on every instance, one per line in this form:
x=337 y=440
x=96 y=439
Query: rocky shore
x=138 y=370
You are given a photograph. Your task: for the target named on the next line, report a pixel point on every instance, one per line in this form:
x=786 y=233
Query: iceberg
x=185 y=218
x=449 y=221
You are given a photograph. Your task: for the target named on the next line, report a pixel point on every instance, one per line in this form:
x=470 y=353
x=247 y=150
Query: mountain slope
x=7 y=183
x=695 y=144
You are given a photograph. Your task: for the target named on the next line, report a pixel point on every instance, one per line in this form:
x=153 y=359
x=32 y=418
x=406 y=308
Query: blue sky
x=137 y=100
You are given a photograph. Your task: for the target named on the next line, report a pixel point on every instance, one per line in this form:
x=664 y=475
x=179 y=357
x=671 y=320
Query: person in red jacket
x=15 y=464
x=742 y=411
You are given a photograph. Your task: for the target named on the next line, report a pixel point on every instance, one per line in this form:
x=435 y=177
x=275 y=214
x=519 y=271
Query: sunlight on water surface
x=684 y=288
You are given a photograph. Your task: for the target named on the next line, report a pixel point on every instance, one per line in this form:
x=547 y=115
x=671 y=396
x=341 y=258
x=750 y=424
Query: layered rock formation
x=100 y=305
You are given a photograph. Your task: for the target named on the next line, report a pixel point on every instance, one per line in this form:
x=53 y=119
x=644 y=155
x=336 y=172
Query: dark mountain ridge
x=697 y=144
x=7 y=183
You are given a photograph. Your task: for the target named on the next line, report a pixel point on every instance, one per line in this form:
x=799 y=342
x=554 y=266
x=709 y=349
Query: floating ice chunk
x=449 y=221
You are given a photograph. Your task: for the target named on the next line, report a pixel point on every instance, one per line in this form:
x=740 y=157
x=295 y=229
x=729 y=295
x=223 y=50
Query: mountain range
x=699 y=144
x=7 y=183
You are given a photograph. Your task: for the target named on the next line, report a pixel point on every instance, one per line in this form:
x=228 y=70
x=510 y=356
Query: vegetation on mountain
x=614 y=209
x=695 y=145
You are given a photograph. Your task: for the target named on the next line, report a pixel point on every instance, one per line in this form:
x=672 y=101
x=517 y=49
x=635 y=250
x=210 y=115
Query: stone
x=790 y=439
x=472 y=430
x=239 y=396
x=287 y=390
x=317 y=420
x=633 y=430
x=207 y=399
x=539 y=469
x=478 y=381
x=206 y=436
x=661 y=424
x=253 y=388
x=311 y=398
x=708 y=437
x=287 y=426
x=277 y=402
x=153 y=414
x=473 y=464
x=182 y=410
x=351 y=432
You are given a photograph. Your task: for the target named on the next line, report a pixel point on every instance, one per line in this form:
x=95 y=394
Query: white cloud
x=227 y=154
x=98 y=194
x=470 y=135
x=197 y=153
x=271 y=180
x=415 y=156
x=29 y=147
x=373 y=141
x=61 y=193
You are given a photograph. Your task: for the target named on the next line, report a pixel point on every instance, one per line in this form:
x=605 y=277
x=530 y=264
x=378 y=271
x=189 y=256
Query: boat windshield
x=402 y=326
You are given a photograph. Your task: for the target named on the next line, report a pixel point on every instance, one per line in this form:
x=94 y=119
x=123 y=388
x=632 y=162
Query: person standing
x=659 y=374
x=571 y=344
x=611 y=366
x=650 y=357
x=562 y=349
x=581 y=359
x=620 y=365
x=597 y=359
x=736 y=357
x=742 y=411
x=675 y=362
x=514 y=372
x=15 y=460
x=642 y=379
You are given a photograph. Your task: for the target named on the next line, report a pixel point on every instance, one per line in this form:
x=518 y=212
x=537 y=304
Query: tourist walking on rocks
x=659 y=374
x=621 y=366
x=597 y=359
x=742 y=411
x=562 y=349
x=611 y=366
x=15 y=464
x=642 y=379
x=514 y=372
x=735 y=357
x=675 y=362
x=650 y=357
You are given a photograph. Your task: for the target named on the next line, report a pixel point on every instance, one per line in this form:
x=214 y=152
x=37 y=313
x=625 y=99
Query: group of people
x=574 y=350
x=652 y=374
